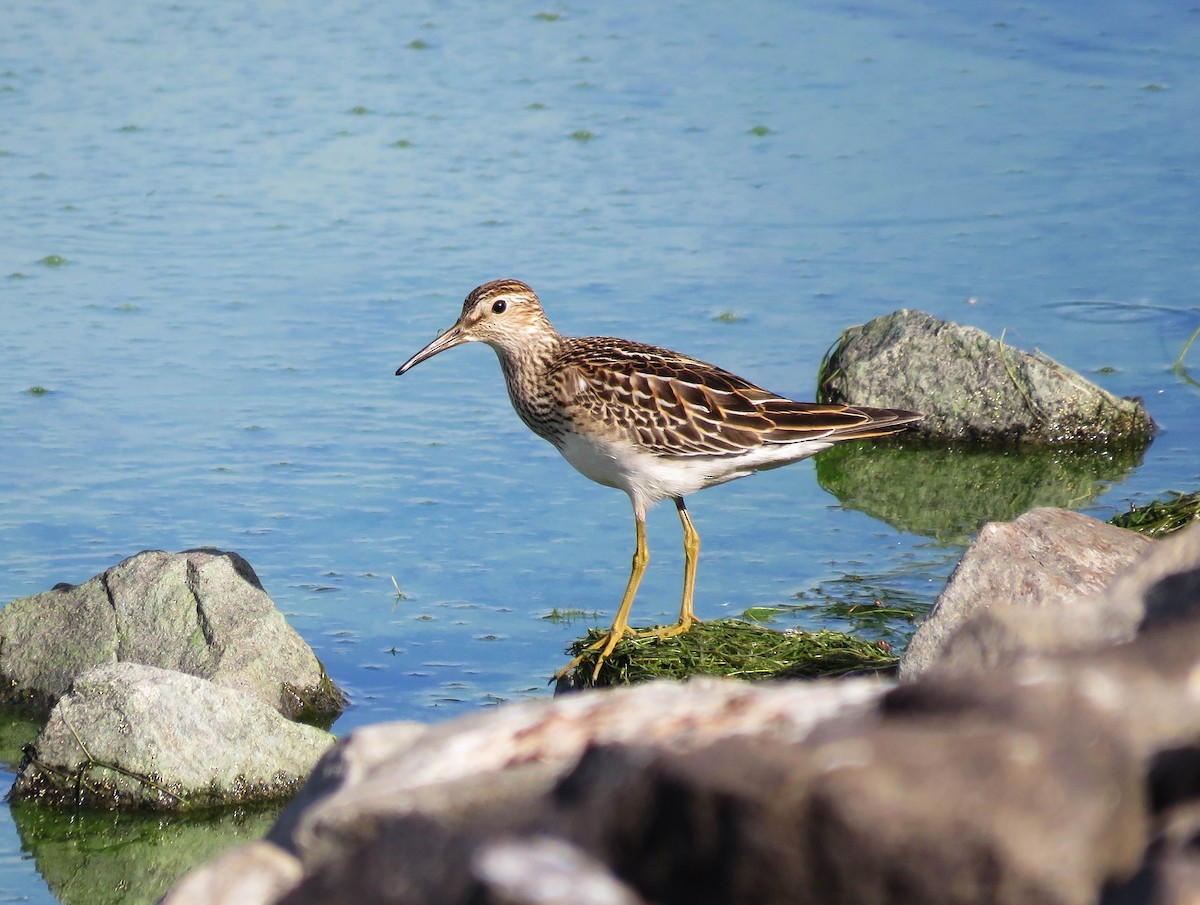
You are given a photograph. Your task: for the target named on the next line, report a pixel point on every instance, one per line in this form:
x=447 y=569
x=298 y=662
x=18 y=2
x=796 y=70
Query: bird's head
x=505 y=314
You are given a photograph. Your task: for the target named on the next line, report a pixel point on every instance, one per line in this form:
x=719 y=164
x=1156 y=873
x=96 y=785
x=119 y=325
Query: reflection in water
x=96 y=857
x=948 y=493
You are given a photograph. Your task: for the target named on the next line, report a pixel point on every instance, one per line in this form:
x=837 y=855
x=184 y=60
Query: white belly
x=648 y=478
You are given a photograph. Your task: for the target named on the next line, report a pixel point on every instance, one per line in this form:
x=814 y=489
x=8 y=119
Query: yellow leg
x=620 y=627
x=691 y=554
x=641 y=556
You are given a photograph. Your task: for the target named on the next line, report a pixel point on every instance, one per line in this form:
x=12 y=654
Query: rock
x=1028 y=785
x=133 y=736
x=1171 y=875
x=380 y=865
x=399 y=794
x=1066 y=777
x=1024 y=789
x=546 y=871
x=1164 y=584
x=457 y=867
x=1159 y=588
x=974 y=388
x=257 y=872
x=485 y=762
x=919 y=809
x=1020 y=585
x=202 y=612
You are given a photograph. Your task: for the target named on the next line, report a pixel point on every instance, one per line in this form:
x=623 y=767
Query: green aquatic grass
x=1178 y=367
x=569 y=615
x=1161 y=517
x=734 y=649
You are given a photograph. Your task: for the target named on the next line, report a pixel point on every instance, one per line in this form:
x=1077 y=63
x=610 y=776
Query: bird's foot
x=667 y=631
x=606 y=644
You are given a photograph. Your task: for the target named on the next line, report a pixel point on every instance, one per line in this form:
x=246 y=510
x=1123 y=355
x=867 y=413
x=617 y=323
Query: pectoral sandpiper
x=646 y=420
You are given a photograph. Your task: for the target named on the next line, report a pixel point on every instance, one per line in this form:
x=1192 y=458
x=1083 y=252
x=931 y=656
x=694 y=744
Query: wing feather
x=674 y=405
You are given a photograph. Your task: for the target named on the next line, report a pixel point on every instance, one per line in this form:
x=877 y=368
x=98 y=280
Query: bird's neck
x=526 y=373
x=526 y=362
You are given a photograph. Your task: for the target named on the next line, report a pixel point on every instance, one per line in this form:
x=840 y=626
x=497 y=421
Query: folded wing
x=674 y=405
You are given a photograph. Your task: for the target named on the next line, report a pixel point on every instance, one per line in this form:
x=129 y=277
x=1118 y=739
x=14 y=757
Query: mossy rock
x=975 y=388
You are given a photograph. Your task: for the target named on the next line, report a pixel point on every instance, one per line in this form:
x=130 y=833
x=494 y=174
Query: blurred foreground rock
x=972 y=387
x=1066 y=777
x=133 y=736
x=201 y=612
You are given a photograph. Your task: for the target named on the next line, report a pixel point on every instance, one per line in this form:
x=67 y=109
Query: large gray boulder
x=975 y=388
x=201 y=612
x=132 y=736
x=1029 y=579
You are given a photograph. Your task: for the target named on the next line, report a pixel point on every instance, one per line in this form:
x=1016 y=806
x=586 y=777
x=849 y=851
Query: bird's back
x=676 y=406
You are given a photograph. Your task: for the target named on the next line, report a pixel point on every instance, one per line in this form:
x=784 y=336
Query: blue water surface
x=226 y=225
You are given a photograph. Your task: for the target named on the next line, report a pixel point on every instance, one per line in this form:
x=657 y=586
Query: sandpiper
x=646 y=420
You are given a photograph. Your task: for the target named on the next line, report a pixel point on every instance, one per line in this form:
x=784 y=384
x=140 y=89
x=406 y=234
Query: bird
x=651 y=422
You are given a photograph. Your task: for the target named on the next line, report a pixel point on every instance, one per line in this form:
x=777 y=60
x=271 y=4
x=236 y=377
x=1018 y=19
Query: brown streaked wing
x=674 y=405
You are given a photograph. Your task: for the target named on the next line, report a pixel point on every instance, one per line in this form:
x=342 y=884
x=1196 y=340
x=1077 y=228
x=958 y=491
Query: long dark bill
x=448 y=340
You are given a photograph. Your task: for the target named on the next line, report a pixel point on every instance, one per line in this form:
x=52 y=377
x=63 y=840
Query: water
x=226 y=225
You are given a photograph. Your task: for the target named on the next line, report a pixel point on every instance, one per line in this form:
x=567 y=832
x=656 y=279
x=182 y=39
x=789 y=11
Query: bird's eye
x=499 y=306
